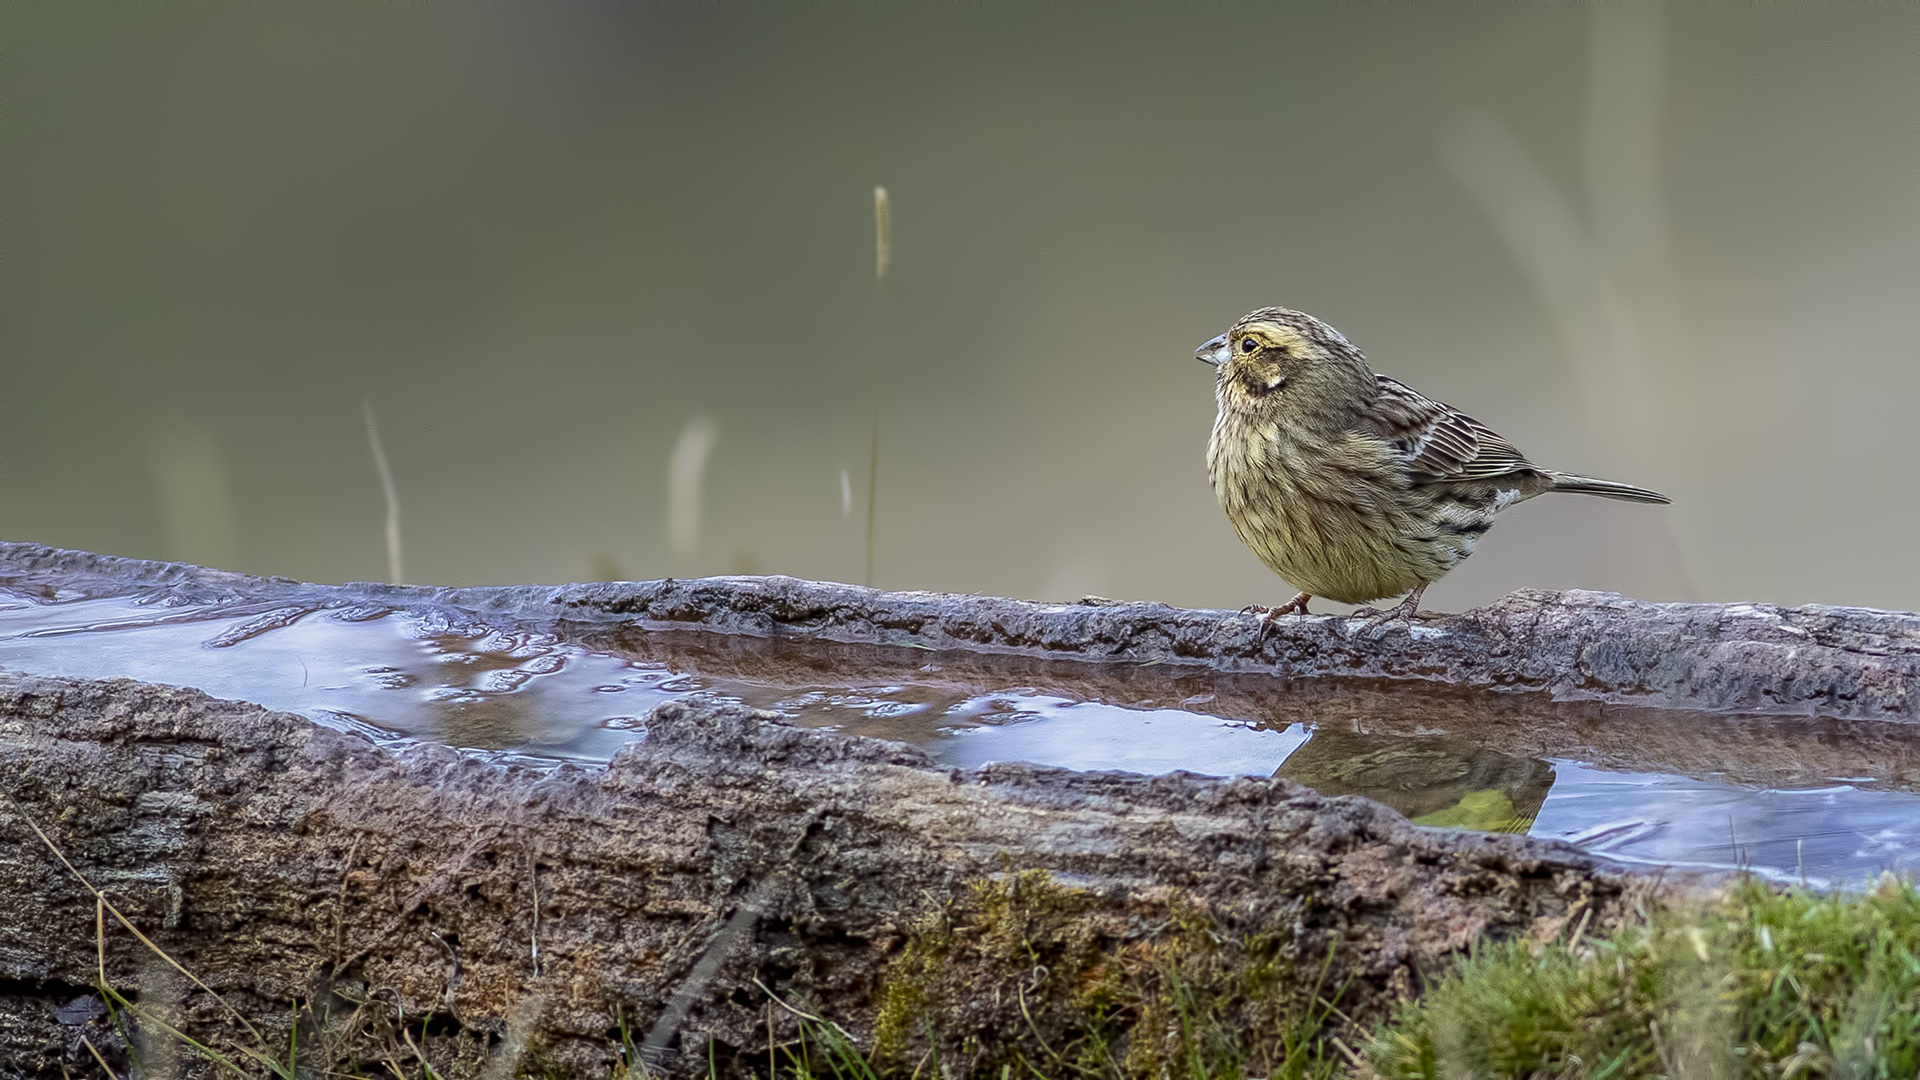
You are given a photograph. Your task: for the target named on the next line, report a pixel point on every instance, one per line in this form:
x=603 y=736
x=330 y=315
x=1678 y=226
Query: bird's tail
x=1587 y=485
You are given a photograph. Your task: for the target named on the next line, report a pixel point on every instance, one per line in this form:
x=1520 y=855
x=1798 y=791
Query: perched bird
x=1348 y=484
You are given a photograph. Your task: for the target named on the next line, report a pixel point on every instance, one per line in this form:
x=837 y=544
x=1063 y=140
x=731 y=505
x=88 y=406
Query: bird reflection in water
x=1436 y=780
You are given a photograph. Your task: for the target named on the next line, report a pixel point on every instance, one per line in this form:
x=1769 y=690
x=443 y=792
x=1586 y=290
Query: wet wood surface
x=281 y=861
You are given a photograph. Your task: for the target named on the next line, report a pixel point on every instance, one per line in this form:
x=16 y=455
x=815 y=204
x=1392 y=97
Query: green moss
x=1022 y=976
x=1027 y=977
x=1489 y=810
x=1755 y=984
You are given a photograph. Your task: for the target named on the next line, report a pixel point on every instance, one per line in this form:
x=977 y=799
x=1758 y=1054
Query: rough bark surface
x=276 y=860
x=1816 y=660
x=281 y=861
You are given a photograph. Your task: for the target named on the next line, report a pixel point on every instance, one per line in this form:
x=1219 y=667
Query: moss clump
x=1027 y=975
x=1485 y=811
x=1757 y=983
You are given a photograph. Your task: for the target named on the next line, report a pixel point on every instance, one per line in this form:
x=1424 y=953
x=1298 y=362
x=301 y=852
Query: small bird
x=1348 y=484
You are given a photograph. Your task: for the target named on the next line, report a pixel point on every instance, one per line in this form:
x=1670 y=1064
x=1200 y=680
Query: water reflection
x=1435 y=780
x=383 y=673
x=1790 y=796
x=1835 y=833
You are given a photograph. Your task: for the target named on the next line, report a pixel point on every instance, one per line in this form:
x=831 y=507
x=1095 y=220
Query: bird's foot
x=1401 y=612
x=1266 y=615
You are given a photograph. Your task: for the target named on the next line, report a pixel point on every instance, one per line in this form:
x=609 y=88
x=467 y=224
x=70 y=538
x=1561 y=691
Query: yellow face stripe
x=1269 y=333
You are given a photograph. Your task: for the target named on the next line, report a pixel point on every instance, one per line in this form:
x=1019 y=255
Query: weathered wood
x=279 y=860
x=1839 y=662
x=274 y=858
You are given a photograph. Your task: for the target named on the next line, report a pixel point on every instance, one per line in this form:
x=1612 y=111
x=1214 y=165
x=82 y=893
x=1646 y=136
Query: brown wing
x=1440 y=442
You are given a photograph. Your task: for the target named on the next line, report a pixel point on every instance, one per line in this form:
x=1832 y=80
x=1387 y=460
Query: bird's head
x=1278 y=360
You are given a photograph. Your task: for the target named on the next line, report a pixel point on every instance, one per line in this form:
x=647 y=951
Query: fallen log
x=1815 y=660
x=279 y=862
x=731 y=865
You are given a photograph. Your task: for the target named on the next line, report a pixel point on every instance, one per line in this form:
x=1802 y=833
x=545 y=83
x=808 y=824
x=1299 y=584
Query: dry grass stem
x=882 y=233
x=873 y=493
x=654 y=1048
x=102 y=904
x=686 y=477
x=394 y=573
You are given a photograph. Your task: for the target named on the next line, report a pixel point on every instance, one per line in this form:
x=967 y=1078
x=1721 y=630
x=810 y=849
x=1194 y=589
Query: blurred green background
x=1675 y=247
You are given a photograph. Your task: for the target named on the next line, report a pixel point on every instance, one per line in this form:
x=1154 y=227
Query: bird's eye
x=1248 y=345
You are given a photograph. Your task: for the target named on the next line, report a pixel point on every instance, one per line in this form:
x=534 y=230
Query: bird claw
x=1377 y=623
x=1401 y=612
x=1267 y=615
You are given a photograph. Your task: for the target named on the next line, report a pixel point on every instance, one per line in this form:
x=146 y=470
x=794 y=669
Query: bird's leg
x=1400 y=612
x=1295 y=606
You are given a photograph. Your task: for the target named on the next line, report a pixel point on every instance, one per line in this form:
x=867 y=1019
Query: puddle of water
x=1092 y=735
x=1837 y=834
x=399 y=676
x=388 y=675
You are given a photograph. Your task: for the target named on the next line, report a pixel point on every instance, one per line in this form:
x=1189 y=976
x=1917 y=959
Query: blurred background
x=602 y=280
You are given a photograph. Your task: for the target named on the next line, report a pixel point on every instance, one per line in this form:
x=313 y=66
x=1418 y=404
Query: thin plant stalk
x=873 y=489
x=393 y=498
x=104 y=905
x=741 y=922
x=686 y=480
x=96 y=1056
x=882 y=233
x=882 y=256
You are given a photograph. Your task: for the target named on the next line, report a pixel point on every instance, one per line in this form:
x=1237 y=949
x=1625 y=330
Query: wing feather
x=1439 y=441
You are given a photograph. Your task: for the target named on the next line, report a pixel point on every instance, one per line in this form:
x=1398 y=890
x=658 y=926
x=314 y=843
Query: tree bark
x=730 y=856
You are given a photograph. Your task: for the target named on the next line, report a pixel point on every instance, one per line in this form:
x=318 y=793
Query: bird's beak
x=1214 y=351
